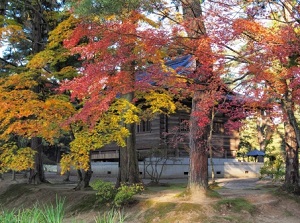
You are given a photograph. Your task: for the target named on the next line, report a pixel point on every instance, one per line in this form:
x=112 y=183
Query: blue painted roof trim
x=181 y=62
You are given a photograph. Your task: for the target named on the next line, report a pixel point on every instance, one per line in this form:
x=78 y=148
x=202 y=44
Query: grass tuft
x=111 y=216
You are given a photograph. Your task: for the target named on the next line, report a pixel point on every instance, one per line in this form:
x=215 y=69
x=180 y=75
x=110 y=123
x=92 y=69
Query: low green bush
x=126 y=192
x=274 y=169
x=107 y=193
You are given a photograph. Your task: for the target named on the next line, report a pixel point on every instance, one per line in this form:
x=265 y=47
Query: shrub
x=105 y=191
x=126 y=192
x=273 y=169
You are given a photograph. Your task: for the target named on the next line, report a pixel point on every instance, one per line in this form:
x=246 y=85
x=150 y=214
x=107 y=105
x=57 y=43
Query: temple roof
x=179 y=64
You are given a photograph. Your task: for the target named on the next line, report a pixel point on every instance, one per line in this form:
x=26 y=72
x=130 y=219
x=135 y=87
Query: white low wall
x=242 y=169
x=179 y=168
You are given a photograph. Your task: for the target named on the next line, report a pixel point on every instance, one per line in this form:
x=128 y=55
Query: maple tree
x=30 y=107
x=120 y=61
x=23 y=112
x=203 y=83
x=272 y=52
x=112 y=73
x=258 y=42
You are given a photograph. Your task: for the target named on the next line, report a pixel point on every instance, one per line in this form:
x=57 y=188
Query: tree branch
x=7 y=62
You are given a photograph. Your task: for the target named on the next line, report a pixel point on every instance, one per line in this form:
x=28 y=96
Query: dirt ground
x=166 y=204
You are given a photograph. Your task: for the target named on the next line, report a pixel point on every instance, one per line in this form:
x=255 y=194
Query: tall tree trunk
x=128 y=166
x=198 y=175
x=37 y=174
x=37 y=31
x=292 y=160
x=292 y=142
x=209 y=143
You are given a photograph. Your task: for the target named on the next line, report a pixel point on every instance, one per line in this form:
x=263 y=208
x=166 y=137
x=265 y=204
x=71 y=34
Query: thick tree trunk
x=84 y=178
x=37 y=174
x=198 y=175
x=37 y=31
x=291 y=149
x=292 y=142
x=292 y=160
x=128 y=166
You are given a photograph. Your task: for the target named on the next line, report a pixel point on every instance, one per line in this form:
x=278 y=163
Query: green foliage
x=248 y=137
x=126 y=192
x=274 y=168
x=112 y=216
x=104 y=7
x=46 y=214
x=54 y=214
x=25 y=215
x=107 y=193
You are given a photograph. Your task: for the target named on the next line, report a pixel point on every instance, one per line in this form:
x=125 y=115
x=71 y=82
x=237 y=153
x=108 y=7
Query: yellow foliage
x=14 y=158
x=110 y=128
x=159 y=102
x=149 y=21
x=17 y=81
x=41 y=59
x=67 y=72
x=14 y=33
x=62 y=32
x=23 y=113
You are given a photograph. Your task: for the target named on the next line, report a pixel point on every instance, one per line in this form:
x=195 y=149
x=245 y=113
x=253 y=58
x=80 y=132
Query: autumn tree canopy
x=30 y=107
x=119 y=50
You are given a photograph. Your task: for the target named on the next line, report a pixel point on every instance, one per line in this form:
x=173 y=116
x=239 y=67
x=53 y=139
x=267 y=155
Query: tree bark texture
x=292 y=160
x=198 y=175
x=84 y=178
x=128 y=166
x=37 y=174
x=292 y=141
